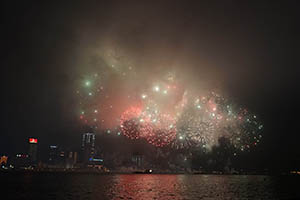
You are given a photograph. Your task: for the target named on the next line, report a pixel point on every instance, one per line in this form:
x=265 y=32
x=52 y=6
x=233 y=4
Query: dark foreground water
x=145 y=186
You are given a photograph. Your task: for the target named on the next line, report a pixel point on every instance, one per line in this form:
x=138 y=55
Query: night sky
x=248 y=51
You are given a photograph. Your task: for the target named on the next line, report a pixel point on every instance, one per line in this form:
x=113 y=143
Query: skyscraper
x=32 y=152
x=88 y=146
x=53 y=155
x=71 y=159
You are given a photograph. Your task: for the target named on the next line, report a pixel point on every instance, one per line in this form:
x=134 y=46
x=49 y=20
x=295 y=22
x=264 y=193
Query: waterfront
x=147 y=186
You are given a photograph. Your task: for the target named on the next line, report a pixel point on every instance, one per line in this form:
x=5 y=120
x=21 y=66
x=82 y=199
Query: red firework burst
x=161 y=131
x=130 y=122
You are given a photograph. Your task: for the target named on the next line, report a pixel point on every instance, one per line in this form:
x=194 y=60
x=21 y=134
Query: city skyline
x=244 y=53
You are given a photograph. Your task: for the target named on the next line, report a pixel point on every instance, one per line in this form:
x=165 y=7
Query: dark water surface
x=147 y=186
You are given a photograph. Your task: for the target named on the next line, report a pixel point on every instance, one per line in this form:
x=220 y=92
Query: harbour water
x=147 y=186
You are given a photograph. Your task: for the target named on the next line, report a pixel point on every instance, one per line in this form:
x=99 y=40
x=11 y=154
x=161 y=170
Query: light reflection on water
x=191 y=187
x=148 y=186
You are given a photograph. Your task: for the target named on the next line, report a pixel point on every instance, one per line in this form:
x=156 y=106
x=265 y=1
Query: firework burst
x=167 y=114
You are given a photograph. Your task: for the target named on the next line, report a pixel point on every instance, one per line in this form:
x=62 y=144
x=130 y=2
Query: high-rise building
x=53 y=155
x=88 y=146
x=74 y=158
x=32 y=152
x=71 y=160
x=137 y=159
x=21 y=161
x=62 y=158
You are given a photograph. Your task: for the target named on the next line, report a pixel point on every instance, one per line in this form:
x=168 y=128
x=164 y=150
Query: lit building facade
x=53 y=155
x=88 y=146
x=32 y=152
x=21 y=161
x=71 y=160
